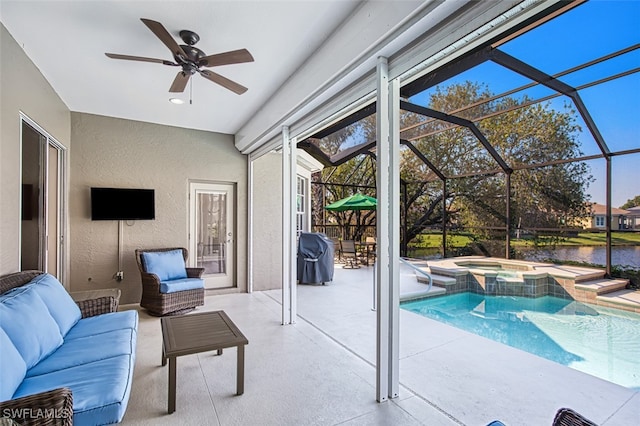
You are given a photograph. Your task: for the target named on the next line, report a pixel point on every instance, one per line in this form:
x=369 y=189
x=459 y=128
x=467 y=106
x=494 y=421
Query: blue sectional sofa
x=80 y=357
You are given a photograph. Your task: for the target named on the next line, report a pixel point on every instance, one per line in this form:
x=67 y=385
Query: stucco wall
x=267 y=216
x=267 y=222
x=22 y=88
x=111 y=152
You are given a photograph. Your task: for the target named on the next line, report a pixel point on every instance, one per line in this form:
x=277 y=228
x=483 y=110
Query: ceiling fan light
x=176 y=101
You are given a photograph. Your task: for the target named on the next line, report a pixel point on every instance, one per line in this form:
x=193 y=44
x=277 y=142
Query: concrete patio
x=321 y=370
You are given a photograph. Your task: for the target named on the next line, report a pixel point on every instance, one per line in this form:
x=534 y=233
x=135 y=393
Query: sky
x=589 y=31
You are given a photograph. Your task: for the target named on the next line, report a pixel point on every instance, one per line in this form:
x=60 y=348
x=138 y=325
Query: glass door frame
x=60 y=203
x=228 y=278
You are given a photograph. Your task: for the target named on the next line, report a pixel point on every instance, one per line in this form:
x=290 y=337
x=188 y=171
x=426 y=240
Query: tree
x=335 y=183
x=546 y=197
x=632 y=202
x=521 y=132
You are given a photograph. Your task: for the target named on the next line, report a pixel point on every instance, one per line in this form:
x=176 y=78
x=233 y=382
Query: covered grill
x=315 y=258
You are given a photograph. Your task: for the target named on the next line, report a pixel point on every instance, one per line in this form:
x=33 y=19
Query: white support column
x=288 y=229
x=383 y=336
x=293 y=235
x=250 y=223
x=388 y=235
x=394 y=238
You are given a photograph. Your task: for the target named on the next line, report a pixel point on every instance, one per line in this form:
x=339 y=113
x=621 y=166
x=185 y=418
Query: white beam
x=347 y=47
x=406 y=32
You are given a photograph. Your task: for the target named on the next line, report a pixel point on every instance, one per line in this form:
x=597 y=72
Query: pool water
x=603 y=342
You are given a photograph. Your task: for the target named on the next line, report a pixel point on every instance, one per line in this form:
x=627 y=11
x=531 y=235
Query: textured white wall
x=22 y=88
x=267 y=222
x=111 y=152
x=267 y=216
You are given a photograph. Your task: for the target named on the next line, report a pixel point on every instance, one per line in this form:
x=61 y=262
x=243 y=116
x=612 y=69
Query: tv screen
x=122 y=204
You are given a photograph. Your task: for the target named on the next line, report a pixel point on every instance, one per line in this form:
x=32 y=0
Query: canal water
x=620 y=255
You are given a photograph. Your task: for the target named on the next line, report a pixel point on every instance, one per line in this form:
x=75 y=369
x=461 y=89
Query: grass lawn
x=583 y=239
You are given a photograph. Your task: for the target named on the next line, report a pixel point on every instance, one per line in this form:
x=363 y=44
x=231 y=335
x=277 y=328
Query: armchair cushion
x=61 y=306
x=12 y=367
x=181 y=285
x=28 y=323
x=167 y=265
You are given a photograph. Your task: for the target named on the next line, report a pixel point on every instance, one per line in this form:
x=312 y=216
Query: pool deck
x=321 y=370
x=467 y=377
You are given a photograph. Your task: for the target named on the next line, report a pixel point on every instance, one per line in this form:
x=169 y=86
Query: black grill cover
x=315 y=258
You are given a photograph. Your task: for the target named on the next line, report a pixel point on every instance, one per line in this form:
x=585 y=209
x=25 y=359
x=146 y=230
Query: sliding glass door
x=42 y=202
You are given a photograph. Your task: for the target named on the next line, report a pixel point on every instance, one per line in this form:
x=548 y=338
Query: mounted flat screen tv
x=122 y=204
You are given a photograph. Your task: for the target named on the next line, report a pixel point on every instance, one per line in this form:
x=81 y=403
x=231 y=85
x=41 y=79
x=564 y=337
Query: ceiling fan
x=191 y=59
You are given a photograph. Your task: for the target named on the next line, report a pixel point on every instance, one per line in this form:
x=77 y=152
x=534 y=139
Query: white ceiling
x=305 y=51
x=67 y=41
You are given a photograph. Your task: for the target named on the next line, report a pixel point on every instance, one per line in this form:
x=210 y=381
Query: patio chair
x=568 y=417
x=337 y=250
x=370 y=243
x=349 y=253
x=564 y=417
x=168 y=286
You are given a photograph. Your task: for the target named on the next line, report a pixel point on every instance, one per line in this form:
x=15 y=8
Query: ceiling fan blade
x=223 y=81
x=139 y=58
x=161 y=32
x=180 y=82
x=232 y=57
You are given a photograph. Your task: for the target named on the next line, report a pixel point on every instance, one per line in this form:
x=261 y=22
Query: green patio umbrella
x=354 y=202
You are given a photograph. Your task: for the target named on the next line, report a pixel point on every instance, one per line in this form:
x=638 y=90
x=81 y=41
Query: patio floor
x=321 y=370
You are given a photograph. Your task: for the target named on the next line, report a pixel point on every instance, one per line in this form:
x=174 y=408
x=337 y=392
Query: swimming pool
x=603 y=342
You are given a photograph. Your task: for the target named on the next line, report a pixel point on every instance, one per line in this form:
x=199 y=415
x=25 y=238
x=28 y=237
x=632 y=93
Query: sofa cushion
x=12 y=367
x=167 y=265
x=181 y=285
x=28 y=323
x=84 y=350
x=60 y=304
x=100 y=389
x=103 y=324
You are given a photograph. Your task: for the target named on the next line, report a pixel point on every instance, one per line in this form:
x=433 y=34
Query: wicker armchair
x=564 y=417
x=160 y=304
x=568 y=417
x=54 y=407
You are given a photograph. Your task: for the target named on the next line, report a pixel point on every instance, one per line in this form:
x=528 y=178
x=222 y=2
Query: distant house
x=619 y=218
x=633 y=217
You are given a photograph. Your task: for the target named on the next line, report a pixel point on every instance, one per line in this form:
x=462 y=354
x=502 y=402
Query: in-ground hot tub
x=496 y=276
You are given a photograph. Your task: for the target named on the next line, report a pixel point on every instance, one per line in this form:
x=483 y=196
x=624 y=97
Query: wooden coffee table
x=195 y=333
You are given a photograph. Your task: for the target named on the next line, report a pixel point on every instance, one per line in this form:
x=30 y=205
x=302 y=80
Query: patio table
x=195 y=333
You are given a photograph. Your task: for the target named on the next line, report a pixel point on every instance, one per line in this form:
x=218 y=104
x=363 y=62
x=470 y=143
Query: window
x=301 y=202
x=599 y=221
